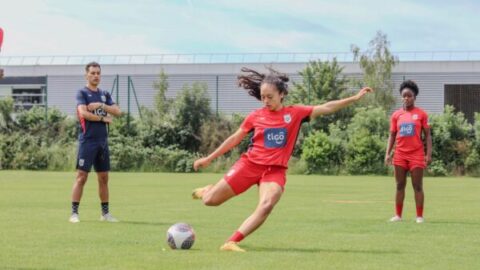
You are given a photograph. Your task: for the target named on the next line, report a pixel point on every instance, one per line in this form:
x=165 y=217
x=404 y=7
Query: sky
x=55 y=27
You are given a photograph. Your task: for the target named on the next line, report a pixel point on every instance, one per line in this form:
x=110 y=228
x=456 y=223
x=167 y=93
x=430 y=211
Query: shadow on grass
x=183 y=250
x=318 y=250
x=25 y=268
x=145 y=223
x=445 y=222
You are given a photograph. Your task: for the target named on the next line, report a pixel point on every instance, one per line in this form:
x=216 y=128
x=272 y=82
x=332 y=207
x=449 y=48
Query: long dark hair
x=253 y=80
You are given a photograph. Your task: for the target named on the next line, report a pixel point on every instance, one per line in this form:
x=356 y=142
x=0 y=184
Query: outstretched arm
x=226 y=146
x=335 y=105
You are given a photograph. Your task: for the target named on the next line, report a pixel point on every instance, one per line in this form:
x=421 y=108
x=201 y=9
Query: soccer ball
x=180 y=236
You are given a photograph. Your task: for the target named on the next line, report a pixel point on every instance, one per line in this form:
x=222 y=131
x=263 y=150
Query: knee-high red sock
x=236 y=237
x=419 y=211
x=399 y=209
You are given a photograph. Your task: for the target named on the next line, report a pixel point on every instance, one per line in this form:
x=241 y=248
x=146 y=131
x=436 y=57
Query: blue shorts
x=91 y=152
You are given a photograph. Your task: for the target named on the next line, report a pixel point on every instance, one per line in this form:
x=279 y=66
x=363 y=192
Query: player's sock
x=399 y=209
x=419 y=211
x=75 y=206
x=236 y=237
x=104 y=208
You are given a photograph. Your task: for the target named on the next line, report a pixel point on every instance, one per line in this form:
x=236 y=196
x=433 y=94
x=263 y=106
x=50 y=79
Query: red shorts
x=410 y=161
x=245 y=174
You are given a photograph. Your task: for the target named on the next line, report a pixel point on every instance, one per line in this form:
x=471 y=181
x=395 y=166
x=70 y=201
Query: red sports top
x=274 y=133
x=408 y=125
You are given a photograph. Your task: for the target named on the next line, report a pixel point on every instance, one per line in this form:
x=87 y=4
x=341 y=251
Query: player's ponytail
x=253 y=80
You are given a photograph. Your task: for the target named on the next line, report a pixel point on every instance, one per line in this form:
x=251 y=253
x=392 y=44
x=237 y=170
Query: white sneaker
x=74 y=218
x=420 y=220
x=109 y=218
x=396 y=219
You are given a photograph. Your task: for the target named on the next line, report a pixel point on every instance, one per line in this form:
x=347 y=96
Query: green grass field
x=322 y=222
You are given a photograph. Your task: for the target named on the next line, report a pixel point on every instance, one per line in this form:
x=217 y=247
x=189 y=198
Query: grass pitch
x=322 y=222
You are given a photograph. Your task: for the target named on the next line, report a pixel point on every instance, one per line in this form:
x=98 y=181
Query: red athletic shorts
x=245 y=174
x=410 y=161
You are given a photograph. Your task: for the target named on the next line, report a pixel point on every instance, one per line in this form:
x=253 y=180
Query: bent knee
x=211 y=201
x=266 y=207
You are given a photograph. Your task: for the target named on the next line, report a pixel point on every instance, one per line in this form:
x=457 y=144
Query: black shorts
x=91 y=152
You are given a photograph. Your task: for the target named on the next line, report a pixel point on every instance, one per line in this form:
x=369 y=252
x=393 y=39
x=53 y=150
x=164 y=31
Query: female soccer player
x=406 y=126
x=275 y=128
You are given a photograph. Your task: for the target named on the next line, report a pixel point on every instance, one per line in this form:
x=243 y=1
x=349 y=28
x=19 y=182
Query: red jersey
x=408 y=126
x=274 y=133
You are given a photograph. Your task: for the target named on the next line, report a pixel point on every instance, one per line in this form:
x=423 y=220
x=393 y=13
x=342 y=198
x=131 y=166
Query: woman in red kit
x=275 y=128
x=406 y=127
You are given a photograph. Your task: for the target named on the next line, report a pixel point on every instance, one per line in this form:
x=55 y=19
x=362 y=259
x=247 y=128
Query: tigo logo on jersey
x=275 y=137
x=100 y=112
x=407 y=130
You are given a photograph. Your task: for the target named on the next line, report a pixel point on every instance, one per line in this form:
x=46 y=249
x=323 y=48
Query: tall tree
x=191 y=109
x=377 y=63
x=6 y=110
x=161 y=101
x=322 y=82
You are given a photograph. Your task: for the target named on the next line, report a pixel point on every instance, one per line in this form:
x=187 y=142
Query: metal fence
x=208 y=58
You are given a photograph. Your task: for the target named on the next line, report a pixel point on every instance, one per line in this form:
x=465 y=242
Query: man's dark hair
x=92 y=64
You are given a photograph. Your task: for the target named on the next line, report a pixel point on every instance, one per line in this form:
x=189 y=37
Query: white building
x=53 y=81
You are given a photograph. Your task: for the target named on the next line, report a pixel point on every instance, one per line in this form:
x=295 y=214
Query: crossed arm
x=86 y=111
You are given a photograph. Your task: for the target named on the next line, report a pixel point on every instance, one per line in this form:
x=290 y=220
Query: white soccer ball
x=180 y=236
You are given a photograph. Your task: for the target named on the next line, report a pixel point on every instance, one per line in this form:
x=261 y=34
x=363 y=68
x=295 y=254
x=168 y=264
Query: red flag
x=1 y=38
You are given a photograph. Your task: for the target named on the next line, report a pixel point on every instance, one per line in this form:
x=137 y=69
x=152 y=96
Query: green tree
x=213 y=132
x=6 y=120
x=322 y=153
x=161 y=100
x=191 y=109
x=452 y=140
x=322 y=82
x=367 y=137
x=476 y=129
x=175 y=122
x=377 y=63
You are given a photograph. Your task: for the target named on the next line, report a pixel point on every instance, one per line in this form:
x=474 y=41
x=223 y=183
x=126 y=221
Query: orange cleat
x=231 y=246
x=197 y=193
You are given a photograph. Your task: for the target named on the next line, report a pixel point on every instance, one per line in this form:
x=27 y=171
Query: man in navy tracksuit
x=94 y=107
